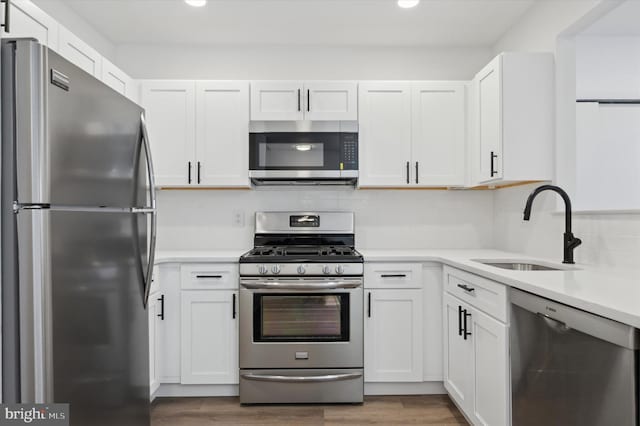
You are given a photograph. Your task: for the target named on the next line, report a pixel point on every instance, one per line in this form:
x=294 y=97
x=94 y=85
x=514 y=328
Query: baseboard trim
x=424 y=388
x=178 y=390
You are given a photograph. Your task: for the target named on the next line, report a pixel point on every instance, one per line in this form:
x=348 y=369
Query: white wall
x=609 y=240
x=203 y=220
x=77 y=25
x=300 y=62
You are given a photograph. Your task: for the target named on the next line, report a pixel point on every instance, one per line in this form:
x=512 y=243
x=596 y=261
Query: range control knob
x=302 y=270
x=339 y=269
x=326 y=270
x=262 y=269
x=275 y=269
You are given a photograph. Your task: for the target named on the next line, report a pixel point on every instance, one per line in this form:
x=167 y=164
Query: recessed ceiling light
x=196 y=3
x=406 y=4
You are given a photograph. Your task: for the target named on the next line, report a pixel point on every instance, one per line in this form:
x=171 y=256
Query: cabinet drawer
x=392 y=275
x=483 y=294
x=210 y=276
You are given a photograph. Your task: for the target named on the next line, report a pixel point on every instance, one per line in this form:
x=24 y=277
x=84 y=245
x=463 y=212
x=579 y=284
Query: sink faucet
x=570 y=242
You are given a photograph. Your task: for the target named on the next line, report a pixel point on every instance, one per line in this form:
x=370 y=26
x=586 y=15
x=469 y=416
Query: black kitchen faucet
x=570 y=241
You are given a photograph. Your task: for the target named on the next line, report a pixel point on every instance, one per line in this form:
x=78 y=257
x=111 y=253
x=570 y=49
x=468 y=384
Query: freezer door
x=83 y=327
x=77 y=139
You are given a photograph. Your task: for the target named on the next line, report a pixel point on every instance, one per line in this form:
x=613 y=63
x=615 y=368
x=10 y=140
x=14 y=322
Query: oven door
x=301 y=323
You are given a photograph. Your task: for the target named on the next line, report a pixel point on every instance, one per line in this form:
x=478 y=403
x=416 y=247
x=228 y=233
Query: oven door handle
x=301 y=379
x=302 y=286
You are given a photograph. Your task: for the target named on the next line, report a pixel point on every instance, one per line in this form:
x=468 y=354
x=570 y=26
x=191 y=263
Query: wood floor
x=380 y=410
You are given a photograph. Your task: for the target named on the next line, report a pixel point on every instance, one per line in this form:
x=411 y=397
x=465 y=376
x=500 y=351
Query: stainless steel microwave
x=318 y=158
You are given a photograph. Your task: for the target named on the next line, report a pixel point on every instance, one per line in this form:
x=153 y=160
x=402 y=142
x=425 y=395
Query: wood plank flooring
x=377 y=410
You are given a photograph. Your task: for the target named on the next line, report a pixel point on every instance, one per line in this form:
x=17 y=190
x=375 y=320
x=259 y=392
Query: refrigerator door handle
x=151 y=210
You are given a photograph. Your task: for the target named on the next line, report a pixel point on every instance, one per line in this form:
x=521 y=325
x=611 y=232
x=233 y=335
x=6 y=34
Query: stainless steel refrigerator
x=78 y=238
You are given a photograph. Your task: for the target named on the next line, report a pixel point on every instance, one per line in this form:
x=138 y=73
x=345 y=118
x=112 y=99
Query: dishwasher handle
x=564 y=317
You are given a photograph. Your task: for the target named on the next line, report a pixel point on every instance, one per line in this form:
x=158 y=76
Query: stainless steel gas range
x=301 y=311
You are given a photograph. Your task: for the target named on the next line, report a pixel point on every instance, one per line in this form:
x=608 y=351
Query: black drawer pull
x=393 y=276
x=466 y=288
x=209 y=276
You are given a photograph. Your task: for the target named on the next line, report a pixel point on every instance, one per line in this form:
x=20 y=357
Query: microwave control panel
x=349 y=157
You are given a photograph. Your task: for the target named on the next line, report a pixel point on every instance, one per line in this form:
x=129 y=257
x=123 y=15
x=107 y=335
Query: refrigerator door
x=87 y=298
x=79 y=137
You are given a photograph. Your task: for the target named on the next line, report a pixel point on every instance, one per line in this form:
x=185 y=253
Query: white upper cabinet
x=514 y=110
x=297 y=100
x=384 y=133
x=115 y=78
x=222 y=133
x=170 y=114
x=439 y=137
x=276 y=101
x=80 y=53
x=28 y=20
x=331 y=100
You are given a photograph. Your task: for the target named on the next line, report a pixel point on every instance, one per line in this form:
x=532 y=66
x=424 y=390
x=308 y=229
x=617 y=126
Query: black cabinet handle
x=393 y=276
x=209 y=276
x=467 y=333
x=417 y=172
x=308 y=100
x=460 y=328
x=199 y=167
x=369 y=305
x=408 y=166
x=189 y=172
x=299 y=109
x=466 y=288
x=233 y=302
x=7 y=16
x=161 y=314
x=493 y=158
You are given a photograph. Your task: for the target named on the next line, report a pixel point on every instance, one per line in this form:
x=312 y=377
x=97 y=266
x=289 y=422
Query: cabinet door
x=153 y=310
x=29 y=21
x=458 y=353
x=491 y=363
x=209 y=337
x=331 y=100
x=489 y=86
x=170 y=114
x=79 y=53
x=385 y=133
x=169 y=325
x=276 y=101
x=393 y=336
x=115 y=78
x=438 y=139
x=222 y=135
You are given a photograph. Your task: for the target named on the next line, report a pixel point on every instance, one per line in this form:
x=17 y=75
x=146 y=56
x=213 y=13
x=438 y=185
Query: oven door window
x=319 y=317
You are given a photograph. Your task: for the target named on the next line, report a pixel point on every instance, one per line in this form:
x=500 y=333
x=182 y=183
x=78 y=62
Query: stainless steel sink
x=524 y=265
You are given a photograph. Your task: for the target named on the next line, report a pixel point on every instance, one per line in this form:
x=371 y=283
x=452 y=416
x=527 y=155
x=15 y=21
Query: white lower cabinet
x=476 y=361
x=154 y=376
x=393 y=336
x=209 y=343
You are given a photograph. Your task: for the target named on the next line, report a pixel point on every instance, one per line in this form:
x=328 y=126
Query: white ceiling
x=442 y=23
x=624 y=20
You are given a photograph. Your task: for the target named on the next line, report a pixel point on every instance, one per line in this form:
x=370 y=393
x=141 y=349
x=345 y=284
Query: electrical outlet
x=238 y=218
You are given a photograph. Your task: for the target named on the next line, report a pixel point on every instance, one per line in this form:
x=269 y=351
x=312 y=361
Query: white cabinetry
x=514 y=109
x=476 y=367
x=115 y=78
x=209 y=326
x=29 y=21
x=153 y=309
x=170 y=114
x=222 y=133
x=298 y=100
x=199 y=132
x=384 y=133
x=412 y=134
x=393 y=323
x=79 y=53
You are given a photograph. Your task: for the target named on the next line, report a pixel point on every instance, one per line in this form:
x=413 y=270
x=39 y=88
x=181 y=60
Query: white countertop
x=605 y=292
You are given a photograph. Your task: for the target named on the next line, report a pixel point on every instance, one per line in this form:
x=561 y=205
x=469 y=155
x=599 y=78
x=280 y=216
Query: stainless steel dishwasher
x=570 y=367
